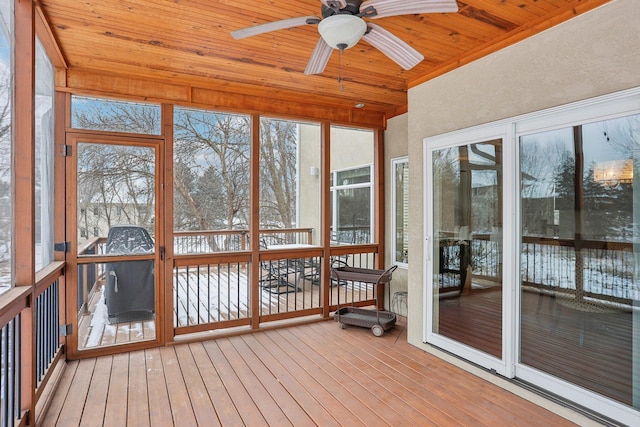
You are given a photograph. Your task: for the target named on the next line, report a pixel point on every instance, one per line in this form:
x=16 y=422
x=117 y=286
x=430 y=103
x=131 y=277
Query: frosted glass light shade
x=339 y=30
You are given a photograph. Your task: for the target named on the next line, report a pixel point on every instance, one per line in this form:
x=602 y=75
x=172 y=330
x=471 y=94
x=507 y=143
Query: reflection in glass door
x=466 y=263
x=115 y=225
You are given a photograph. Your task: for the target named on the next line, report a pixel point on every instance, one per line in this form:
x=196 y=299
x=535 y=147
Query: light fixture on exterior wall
x=315 y=171
x=613 y=173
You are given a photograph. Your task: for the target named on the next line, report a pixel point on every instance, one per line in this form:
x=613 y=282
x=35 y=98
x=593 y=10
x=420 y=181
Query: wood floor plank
x=74 y=406
x=260 y=396
x=222 y=402
x=279 y=367
x=203 y=409
x=436 y=383
x=262 y=370
x=416 y=403
x=116 y=405
x=315 y=374
x=181 y=409
x=238 y=393
x=159 y=406
x=373 y=394
x=97 y=395
x=418 y=380
x=336 y=407
x=138 y=397
x=332 y=379
x=60 y=396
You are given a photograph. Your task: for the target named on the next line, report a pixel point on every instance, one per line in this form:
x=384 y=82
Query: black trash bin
x=130 y=288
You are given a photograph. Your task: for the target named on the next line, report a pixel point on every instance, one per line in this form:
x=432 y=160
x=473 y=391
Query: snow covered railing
x=602 y=271
x=213 y=241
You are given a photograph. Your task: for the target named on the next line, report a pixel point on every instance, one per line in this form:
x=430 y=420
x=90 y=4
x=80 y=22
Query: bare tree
x=278 y=150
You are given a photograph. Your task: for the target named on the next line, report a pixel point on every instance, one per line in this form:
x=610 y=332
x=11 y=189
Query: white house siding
x=594 y=54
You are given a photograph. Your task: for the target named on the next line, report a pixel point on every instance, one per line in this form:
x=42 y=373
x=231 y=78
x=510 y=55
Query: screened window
x=6 y=146
x=115 y=116
x=289 y=183
x=400 y=210
x=211 y=198
x=351 y=197
x=44 y=148
x=351 y=186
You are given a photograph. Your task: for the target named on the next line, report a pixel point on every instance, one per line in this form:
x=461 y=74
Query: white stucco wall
x=593 y=54
x=395 y=145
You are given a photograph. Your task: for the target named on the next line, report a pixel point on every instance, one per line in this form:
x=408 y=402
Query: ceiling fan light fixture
x=342 y=31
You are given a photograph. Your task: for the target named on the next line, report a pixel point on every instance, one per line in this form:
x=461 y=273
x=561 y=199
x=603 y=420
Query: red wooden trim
x=13 y=302
x=206 y=259
x=289 y=315
x=274 y=254
x=182 y=330
x=46 y=276
x=24 y=185
x=254 y=225
x=325 y=213
x=58 y=358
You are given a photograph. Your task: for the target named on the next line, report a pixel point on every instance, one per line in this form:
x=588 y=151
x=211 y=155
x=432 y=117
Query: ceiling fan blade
x=319 y=58
x=383 y=8
x=333 y=4
x=392 y=46
x=273 y=26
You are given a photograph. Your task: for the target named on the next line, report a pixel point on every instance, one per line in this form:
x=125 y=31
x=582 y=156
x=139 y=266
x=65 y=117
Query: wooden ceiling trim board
x=110 y=85
x=48 y=40
x=289 y=81
x=292 y=110
x=119 y=85
x=512 y=38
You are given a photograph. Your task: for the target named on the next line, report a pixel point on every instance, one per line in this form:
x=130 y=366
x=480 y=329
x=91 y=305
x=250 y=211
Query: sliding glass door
x=464 y=280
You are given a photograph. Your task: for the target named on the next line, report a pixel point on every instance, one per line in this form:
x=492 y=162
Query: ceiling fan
x=342 y=26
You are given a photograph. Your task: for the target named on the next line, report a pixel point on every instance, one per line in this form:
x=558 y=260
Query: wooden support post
x=24 y=197
x=254 y=225
x=379 y=230
x=164 y=208
x=325 y=215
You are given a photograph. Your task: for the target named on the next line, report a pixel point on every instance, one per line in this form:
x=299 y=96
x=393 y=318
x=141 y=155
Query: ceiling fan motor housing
x=352 y=8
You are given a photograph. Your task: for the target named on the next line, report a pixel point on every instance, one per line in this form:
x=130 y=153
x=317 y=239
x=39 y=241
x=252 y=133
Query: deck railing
x=213 y=241
x=11 y=369
x=602 y=271
x=28 y=315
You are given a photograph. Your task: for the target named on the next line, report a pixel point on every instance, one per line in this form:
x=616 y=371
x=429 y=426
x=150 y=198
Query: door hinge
x=161 y=253
x=65 y=150
x=66 y=330
x=62 y=247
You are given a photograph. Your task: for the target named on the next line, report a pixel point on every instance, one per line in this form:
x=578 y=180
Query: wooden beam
x=290 y=105
x=48 y=40
x=24 y=196
x=164 y=207
x=254 y=224
x=325 y=214
x=379 y=203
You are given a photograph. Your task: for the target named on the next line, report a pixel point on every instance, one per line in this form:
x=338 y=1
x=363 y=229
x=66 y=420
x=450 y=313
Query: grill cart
x=378 y=320
x=130 y=285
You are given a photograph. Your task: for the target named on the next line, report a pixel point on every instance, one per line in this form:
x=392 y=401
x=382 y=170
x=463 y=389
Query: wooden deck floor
x=316 y=374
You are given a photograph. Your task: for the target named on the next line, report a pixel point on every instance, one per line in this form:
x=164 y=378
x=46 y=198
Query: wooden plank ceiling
x=185 y=50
